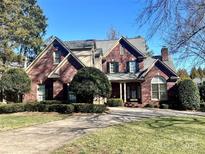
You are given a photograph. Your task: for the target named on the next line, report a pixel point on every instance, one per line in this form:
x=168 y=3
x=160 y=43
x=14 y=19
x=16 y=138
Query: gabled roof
x=149 y=63
x=59 y=65
x=46 y=50
x=109 y=45
x=106 y=45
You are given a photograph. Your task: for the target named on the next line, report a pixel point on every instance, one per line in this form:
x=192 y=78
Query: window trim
x=158 y=85
x=133 y=61
x=38 y=92
x=113 y=66
x=54 y=57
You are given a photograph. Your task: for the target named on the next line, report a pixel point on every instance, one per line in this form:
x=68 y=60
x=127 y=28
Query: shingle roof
x=102 y=46
x=139 y=43
x=83 y=44
x=169 y=62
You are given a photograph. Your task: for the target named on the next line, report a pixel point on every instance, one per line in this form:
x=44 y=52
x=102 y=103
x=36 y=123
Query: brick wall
x=39 y=72
x=115 y=56
x=146 y=85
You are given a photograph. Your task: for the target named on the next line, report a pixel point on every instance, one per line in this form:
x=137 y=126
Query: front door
x=133 y=90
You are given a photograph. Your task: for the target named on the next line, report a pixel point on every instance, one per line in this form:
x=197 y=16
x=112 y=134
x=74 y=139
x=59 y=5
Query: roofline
x=39 y=56
x=109 y=50
x=45 y=51
x=70 y=51
x=133 y=46
x=59 y=65
x=161 y=63
x=118 y=41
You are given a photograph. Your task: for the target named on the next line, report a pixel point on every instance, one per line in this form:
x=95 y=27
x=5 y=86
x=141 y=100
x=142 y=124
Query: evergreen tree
x=200 y=71
x=89 y=83
x=194 y=73
x=182 y=73
x=22 y=26
x=204 y=72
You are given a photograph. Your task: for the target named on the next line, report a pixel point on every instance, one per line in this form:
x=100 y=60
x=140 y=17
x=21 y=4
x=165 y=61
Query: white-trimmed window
x=159 y=88
x=56 y=57
x=132 y=66
x=113 y=67
x=41 y=92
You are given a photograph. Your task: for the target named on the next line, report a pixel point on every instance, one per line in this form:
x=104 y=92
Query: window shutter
x=108 y=67
x=137 y=66
x=127 y=67
x=116 y=67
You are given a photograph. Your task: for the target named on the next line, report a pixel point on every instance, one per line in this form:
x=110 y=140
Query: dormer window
x=57 y=57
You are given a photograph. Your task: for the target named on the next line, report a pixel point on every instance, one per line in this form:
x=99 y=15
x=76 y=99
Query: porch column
x=125 y=88
x=120 y=90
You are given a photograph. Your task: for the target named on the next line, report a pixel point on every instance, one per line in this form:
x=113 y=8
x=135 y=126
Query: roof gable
x=53 y=42
x=126 y=44
x=162 y=66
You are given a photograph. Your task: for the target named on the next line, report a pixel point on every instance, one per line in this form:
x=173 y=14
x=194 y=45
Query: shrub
x=188 y=95
x=89 y=108
x=89 y=83
x=31 y=107
x=50 y=102
x=12 y=108
x=61 y=108
x=114 y=102
x=15 y=83
x=164 y=106
x=202 y=92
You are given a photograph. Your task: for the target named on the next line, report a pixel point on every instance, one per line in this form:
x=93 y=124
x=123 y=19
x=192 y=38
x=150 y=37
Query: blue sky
x=91 y=19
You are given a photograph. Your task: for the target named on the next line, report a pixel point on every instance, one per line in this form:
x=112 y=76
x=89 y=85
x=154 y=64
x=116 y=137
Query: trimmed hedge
x=51 y=102
x=89 y=108
x=12 y=108
x=114 y=102
x=188 y=95
x=60 y=108
x=36 y=107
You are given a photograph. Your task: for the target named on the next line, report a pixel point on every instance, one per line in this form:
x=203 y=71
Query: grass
x=17 y=120
x=175 y=135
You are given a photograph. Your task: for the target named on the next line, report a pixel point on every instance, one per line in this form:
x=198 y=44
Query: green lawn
x=176 y=135
x=17 y=120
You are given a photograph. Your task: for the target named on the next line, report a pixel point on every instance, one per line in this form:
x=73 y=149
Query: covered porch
x=129 y=91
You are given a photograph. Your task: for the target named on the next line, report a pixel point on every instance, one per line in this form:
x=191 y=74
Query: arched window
x=159 y=88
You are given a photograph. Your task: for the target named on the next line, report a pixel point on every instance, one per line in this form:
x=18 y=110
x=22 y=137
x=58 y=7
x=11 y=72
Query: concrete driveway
x=47 y=137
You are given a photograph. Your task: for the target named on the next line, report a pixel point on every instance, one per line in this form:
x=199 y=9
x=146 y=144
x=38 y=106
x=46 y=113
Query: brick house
x=135 y=76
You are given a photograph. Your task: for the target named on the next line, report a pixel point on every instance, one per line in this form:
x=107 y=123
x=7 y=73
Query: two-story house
x=135 y=76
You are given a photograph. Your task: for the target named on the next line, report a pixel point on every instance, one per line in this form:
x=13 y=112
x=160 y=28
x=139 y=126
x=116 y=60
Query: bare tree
x=181 y=22
x=113 y=34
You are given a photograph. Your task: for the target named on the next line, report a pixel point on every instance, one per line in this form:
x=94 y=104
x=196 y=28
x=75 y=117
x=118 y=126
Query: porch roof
x=122 y=76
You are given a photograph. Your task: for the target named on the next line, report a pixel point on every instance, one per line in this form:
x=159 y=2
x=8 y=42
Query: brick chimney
x=164 y=54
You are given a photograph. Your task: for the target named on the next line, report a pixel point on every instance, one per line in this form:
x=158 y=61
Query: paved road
x=45 y=138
